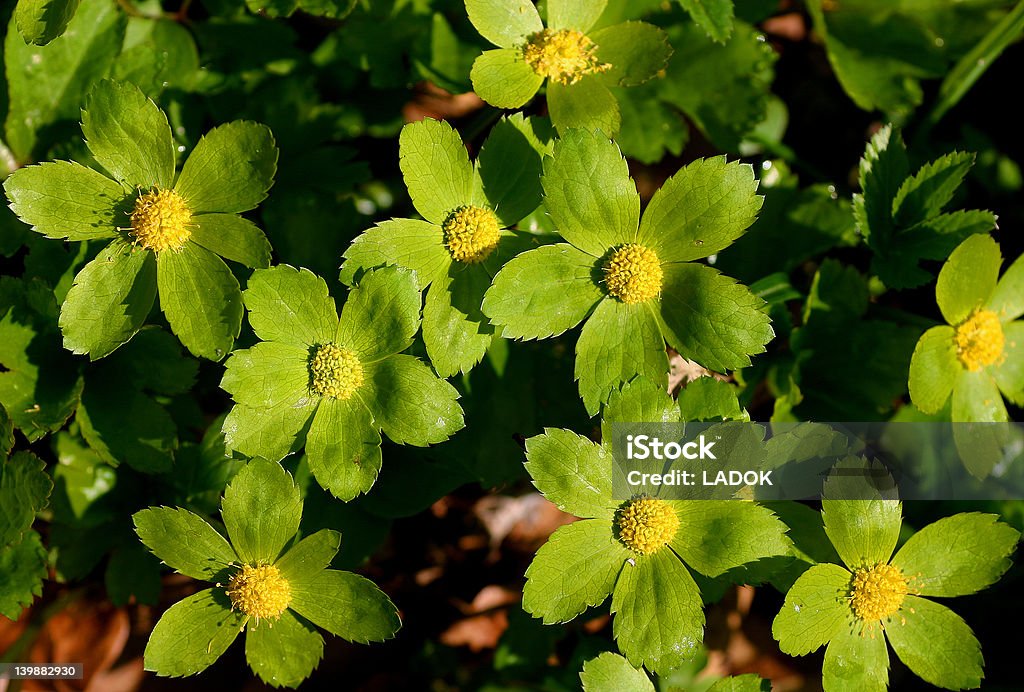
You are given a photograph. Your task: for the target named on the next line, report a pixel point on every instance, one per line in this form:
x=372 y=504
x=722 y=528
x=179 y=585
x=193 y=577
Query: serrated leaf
x=503 y=79
x=436 y=169
x=201 y=300
x=129 y=135
x=290 y=305
x=410 y=243
x=636 y=51
x=343 y=448
x=543 y=292
x=269 y=375
x=708 y=398
x=233 y=238
x=976 y=399
x=854 y=660
x=124 y=425
x=573 y=472
x=505 y=23
x=185 y=542
x=864 y=532
x=267 y=432
x=714 y=16
x=883 y=168
x=934 y=369
x=455 y=331
x=741 y=683
x=639 y=400
x=936 y=644
x=658 y=618
x=192 y=634
x=287 y=653
x=261 y=510
x=230 y=170
x=576 y=569
x=700 y=210
x=587 y=105
x=574 y=14
x=348 y=606
x=508 y=169
x=381 y=314
x=815 y=609
x=968 y=279
x=24 y=490
x=158 y=54
x=41 y=21
x=716 y=536
x=309 y=556
x=62 y=199
x=1009 y=374
x=612 y=672
x=22 y=571
x=410 y=403
x=709 y=318
x=927 y=192
x=1007 y=300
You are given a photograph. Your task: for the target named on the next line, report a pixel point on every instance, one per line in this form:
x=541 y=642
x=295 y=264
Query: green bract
x=977 y=357
x=662 y=295
x=875 y=595
x=169 y=231
x=25 y=489
x=268 y=583
x=333 y=384
x=657 y=608
x=578 y=63
x=454 y=258
x=612 y=673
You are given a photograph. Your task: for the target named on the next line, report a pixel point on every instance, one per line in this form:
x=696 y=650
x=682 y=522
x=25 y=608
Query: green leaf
x=124 y=425
x=936 y=644
x=612 y=672
x=159 y=54
x=976 y=399
x=934 y=369
x=588 y=193
x=958 y=555
x=574 y=14
x=854 y=660
x=233 y=238
x=410 y=243
x=436 y=169
x=455 y=331
x=714 y=16
x=700 y=210
x=509 y=168
x=618 y=342
x=192 y=634
x=883 y=168
x=230 y=170
x=709 y=318
x=573 y=472
x=741 y=683
x=343 y=448
x=110 y=299
x=201 y=300
x=928 y=191
x=864 y=532
x=503 y=79
x=132 y=573
x=716 y=536
x=575 y=570
x=184 y=542
x=1009 y=374
x=543 y=292
x=6 y=433
x=638 y=400
x=290 y=305
x=268 y=375
x=1007 y=300
x=505 y=23
x=261 y=511
x=658 y=619
x=308 y=557
x=287 y=653
x=348 y=606
x=22 y=571
x=968 y=279
x=41 y=21
x=62 y=199
x=588 y=105
x=129 y=135
x=410 y=403
x=816 y=608
x=381 y=315
x=267 y=432
x=708 y=398
x=636 y=51
x=48 y=84
x=24 y=489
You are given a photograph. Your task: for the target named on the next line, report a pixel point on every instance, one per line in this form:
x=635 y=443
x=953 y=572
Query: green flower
x=632 y=280
x=267 y=582
x=333 y=384
x=169 y=233
x=579 y=64
x=640 y=551
x=874 y=595
x=610 y=672
x=464 y=239
x=978 y=359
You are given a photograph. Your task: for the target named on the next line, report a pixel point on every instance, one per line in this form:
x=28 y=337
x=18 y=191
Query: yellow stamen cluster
x=334 y=372
x=471 y=233
x=878 y=592
x=161 y=221
x=646 y=524
x=564 y=56
x=632 y=273
x=260 y=592
x=979 y=340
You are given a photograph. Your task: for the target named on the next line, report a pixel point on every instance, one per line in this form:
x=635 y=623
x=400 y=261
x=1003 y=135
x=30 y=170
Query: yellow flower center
x=632 y=273
x=161 y=220
x=878 y=592
x=259 y=592
x=563 y=56
x=979 y=340
x=335 y=372
x=471 y=233
x=646 y=524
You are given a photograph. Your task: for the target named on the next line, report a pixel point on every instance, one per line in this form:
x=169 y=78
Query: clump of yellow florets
x=564 y=56
x=878 y=592
x=646 y=524
x=471 y=233
x=632 y=273
x=161 y=220
x=334 y=372
x=260 y=592
x=979 y=340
